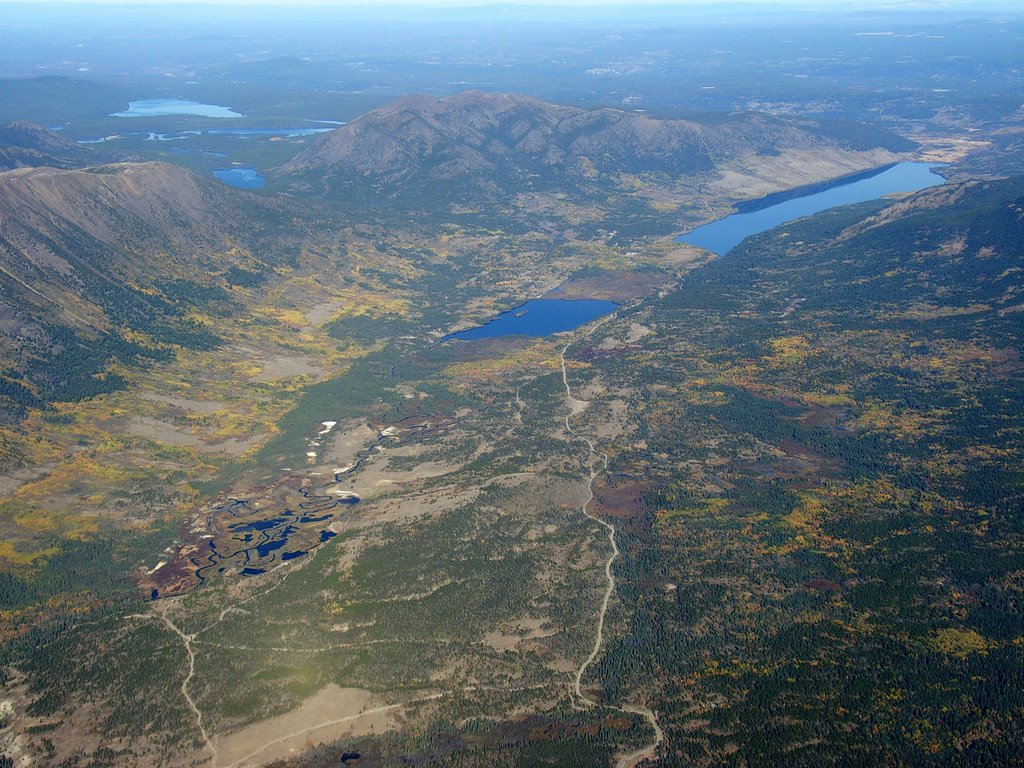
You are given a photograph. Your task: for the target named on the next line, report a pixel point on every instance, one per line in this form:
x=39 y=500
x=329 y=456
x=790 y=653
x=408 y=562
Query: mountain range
x=103 y=261
x=477 y=146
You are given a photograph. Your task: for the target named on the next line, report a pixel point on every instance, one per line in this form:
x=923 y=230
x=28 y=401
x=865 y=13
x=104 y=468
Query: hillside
x=25 y=144
x=52 y=99
x=832 y=422
x=105 y=263
x=475 y=147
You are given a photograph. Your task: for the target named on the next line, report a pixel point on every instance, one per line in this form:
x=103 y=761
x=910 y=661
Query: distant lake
x=207 y=152
x=724 y=234
x=242 y=177
x=161 y=107
x=539 y=317
x=242 y=133
x=286 y=132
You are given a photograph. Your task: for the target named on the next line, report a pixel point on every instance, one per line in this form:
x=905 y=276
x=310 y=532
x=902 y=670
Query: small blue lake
x=539 y=317
x=723 y=235
x=242 y=177
x=162 y=107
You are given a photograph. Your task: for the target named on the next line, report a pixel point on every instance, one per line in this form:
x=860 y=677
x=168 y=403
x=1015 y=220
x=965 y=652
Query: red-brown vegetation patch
x=611 y=286
x=823 y=585
x=619 y=499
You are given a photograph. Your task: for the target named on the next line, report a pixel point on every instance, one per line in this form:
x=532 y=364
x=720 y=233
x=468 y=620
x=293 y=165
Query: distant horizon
x=813 y=5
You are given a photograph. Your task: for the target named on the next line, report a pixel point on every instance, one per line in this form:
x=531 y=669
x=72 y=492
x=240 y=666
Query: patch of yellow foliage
x=707 y=508
x=360 y=303
x=292 y=317
x=70 y=526
x=539 y=355
x=806 y=520
x=79 y=469
x=789 y=350
x=15 y=556
x=905 y=423
x=960 y=643
x=664 y=206
x=826 y=399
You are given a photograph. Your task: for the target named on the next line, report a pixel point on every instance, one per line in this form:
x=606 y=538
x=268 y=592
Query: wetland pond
x=538 y=317
x=757 y=216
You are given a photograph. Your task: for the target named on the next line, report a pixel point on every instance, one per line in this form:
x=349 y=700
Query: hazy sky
x=798 y=5
x=820 y=4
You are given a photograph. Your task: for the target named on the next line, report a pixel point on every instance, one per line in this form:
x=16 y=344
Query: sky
x=818 y=4
x=800 y=6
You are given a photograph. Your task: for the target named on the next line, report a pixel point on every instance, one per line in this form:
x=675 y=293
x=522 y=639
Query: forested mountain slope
x=828 y=570
x=105 y=263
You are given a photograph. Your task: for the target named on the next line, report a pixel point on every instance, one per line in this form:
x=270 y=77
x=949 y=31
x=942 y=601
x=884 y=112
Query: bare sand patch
x=756 y=177
x=476 y=312
x=398 y=510
x=236 y=446
x=378 y=474
x=347 y=440
x=331 y=713
x=286 y=366
x=615 y=424
x=11 y=480
x=162 y=432
x=510 y=636
x=948 y=150
x=634 y=332
x=320 y=314
x=199 y=406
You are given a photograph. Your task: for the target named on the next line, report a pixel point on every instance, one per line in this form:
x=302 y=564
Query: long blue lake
x=539 y=317
x=723 y=235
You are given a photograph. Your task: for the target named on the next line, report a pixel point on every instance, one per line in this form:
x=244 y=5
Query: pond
x=539 y=317
x=242 y=177
x=288 y=133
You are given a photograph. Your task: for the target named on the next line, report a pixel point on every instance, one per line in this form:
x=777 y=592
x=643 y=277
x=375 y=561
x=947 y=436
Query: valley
x=415 y=424
x=443 y=434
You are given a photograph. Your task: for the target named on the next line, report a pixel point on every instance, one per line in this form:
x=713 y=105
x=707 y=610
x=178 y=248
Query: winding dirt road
x=598 y=463
x=187 y=640
x=582 y=701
